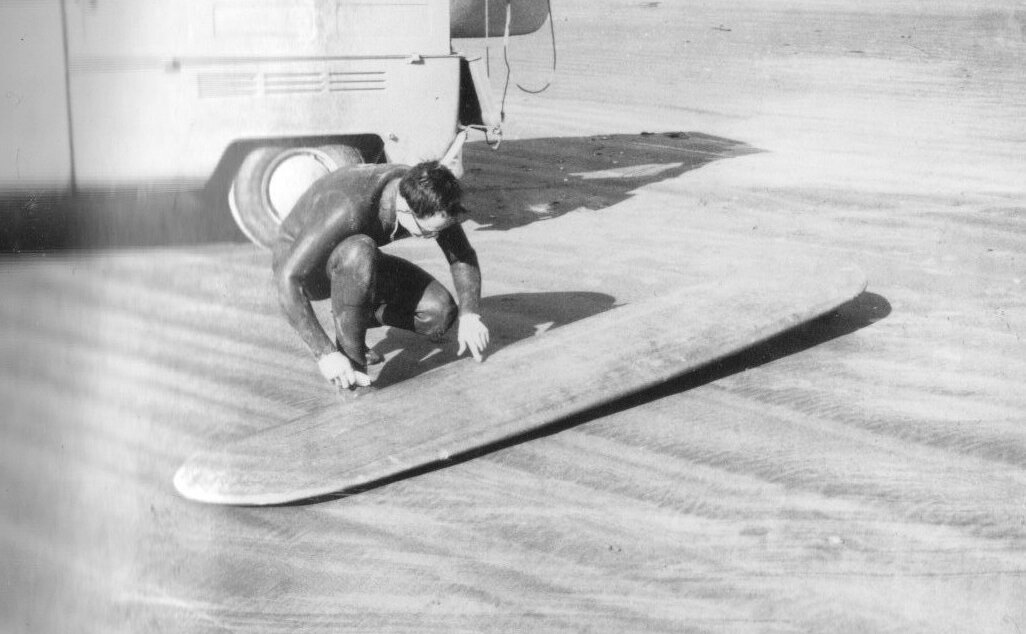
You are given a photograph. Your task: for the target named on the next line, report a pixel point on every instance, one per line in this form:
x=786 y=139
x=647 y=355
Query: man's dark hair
x=431 y=188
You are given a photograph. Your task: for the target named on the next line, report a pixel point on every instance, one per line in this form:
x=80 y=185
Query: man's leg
x=352 y=269
x=408 y=297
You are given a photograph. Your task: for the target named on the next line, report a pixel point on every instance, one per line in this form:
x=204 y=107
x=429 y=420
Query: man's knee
x=436 y=314
x=353 y=257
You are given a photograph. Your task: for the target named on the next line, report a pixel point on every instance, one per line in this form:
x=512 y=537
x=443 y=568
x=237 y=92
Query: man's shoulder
x=363 y=173
x=350 y=191
x=346 y=185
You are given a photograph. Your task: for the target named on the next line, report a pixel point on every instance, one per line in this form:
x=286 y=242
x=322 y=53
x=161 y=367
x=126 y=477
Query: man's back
x=343 y=203
x=347 y=198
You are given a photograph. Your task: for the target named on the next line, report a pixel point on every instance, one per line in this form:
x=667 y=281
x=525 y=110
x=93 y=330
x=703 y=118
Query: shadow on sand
x=530 y=181
x=510 y=318
x=861 y=312
x=520 y=183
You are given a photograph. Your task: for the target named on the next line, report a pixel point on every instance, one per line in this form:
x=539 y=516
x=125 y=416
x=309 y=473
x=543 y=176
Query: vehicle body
x=103 y=94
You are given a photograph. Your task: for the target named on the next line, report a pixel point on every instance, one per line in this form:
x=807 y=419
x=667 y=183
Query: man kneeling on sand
x=329 y=246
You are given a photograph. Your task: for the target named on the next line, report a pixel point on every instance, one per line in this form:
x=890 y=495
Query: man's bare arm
x=464 y=266
x=466 y=275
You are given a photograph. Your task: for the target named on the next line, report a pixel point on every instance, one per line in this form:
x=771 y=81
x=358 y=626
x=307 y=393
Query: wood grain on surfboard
x=463 y=406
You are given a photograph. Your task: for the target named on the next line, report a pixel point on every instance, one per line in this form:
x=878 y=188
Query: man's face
x=425 y=228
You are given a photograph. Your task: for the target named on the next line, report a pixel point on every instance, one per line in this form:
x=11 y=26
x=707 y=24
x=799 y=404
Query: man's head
x=431 y=194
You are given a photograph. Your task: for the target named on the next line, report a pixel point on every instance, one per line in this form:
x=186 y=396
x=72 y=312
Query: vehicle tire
x=272 y=178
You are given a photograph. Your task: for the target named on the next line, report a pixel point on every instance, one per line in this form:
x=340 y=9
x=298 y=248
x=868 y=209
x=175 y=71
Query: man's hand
x=472 y=335
x=337 y=369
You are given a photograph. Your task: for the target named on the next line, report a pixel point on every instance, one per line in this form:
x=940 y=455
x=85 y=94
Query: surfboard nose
x=198 y=480
x=190 y=483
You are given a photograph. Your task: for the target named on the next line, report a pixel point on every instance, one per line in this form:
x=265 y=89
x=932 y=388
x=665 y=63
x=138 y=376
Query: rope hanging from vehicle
x=552 y=39
x=505 y=52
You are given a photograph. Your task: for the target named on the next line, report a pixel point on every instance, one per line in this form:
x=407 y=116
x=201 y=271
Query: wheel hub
x=292 y=176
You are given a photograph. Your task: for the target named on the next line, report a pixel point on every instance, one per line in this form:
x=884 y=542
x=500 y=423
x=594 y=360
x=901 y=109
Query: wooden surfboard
x=464 y=406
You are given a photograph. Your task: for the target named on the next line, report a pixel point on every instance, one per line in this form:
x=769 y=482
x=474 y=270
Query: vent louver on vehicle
x=356 y=81
x=213 y=85
x=228 y=84
x=283 y=83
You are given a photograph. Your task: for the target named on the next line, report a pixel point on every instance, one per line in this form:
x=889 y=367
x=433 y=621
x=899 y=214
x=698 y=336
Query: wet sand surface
x=864 y=473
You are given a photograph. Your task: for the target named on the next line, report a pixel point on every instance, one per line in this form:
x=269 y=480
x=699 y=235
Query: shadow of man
x=510 y=318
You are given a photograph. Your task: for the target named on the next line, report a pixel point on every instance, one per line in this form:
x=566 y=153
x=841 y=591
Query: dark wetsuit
x=328 y=246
